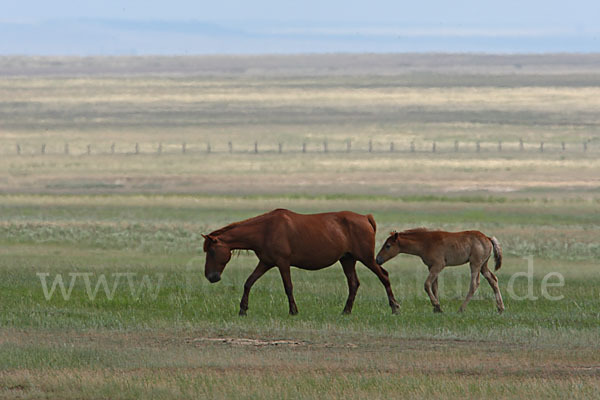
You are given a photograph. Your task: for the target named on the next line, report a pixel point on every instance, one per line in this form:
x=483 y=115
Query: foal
x=439 y=249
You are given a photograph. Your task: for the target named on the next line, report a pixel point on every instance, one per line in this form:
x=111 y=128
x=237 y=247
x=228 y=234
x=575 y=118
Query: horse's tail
x=497 y=252
x=372 y=222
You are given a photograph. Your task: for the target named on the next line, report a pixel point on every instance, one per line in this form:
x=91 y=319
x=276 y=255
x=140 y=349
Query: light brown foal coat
x=439 y=249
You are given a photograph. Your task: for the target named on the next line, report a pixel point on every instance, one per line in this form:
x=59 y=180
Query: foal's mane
x=416 y=230
x=411 y=231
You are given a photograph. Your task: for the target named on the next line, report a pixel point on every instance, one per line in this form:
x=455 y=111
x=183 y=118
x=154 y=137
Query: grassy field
x=177 y=335
x=292 y=100
x=135 y=317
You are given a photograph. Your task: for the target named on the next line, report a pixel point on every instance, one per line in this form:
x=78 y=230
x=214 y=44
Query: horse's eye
x=387 y=246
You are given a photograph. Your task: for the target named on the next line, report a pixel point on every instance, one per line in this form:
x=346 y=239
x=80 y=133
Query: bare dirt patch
x=198 y=342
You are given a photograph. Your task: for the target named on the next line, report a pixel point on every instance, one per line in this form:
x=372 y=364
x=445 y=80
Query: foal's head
x=218 y=255
x=390 y=248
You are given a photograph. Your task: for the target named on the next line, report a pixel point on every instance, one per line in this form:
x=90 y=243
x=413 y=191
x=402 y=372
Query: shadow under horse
x=282 y=239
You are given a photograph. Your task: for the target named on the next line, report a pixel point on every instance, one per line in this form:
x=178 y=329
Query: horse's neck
x=241 y=237
x=412 y=246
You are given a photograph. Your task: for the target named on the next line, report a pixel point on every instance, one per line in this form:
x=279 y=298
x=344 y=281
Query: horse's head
x=390 y=249
x=218 y=255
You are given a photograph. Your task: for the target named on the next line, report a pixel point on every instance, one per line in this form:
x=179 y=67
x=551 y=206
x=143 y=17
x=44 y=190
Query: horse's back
x=469 y=246
x=480 y=239
x=319 y=240
x=341 y=225
x=326 y=222
x=452 y=248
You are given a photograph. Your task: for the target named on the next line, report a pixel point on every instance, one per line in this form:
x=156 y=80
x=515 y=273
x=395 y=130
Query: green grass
x=186 y=299
x=129 y=345
x=548 y=228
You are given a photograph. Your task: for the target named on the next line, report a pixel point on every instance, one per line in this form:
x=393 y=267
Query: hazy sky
x=280 y=26
x=575 y=13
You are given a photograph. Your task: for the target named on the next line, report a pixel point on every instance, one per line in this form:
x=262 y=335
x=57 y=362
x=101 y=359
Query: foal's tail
x=497 y=253
x=372 y=222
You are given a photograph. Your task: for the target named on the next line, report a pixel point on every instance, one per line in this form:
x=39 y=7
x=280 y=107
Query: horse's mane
x=233 y=225
x=226 y=228
x=222 y=230
x=229 y=227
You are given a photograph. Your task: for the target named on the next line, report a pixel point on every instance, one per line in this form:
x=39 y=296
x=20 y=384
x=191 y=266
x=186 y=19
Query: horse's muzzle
x=379 y=260
x=214 y=277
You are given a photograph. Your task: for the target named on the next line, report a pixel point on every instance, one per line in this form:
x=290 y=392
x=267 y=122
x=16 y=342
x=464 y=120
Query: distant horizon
x=410 y=68
x=308 y=54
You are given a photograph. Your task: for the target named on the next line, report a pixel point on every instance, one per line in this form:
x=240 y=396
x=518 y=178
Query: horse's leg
x=259 y=271
x=493 y=281
x=383 y=276
x=349 y=266
x=284 y=270
x=431 y=281
x=475 y=269
x=434 y=288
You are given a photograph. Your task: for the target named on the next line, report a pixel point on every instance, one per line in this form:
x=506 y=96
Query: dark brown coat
x=283 y=238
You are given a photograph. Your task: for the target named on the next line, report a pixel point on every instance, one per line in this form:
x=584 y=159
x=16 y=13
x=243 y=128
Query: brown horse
x=283 y=238
x=438 y=249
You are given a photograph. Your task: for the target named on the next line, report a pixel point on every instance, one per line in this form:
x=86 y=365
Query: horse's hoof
x=437 y=310
x=500 y=310
x=346 y=312
x=242 y=313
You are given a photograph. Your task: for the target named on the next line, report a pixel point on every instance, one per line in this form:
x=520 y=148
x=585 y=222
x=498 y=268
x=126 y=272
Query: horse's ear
x=208 y=241
x=394 y=235
x=210 y=238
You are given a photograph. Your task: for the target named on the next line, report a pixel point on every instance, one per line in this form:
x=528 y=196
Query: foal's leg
x=431 y=280
x=284 y=270
x=434 y=289
x=383 y=276
x=259 y=271
x=493 y=281
x=475 y=269
x=349 y=266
